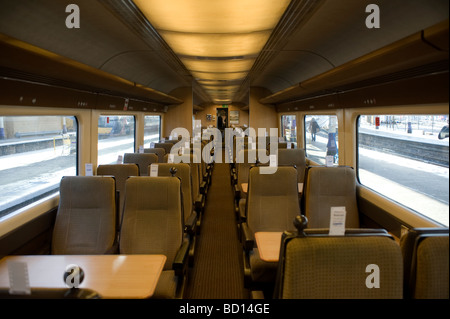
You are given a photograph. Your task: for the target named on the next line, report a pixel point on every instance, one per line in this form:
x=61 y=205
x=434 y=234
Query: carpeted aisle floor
x=217 y=272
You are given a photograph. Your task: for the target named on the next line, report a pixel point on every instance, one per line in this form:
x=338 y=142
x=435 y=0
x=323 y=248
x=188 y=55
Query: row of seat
x=363 y=264
x=272 y=204
x=143 y=161
x=245 y=142
x=124 y=211
x=164 y=147
x=153 y=222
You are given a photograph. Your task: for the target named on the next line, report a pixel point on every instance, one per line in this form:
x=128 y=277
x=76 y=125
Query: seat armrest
x=189 y=227
x=198 y=204
x=237 y=193
x=234 y=178
x=248 y=240
x=242 y=215
x=180 y=263
x=203 y=188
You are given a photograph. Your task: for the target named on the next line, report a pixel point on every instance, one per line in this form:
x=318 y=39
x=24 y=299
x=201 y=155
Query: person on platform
x=314 y=129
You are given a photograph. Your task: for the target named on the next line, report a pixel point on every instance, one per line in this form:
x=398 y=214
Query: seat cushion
x=167 y=285
x=341 y=268
x=432 y=269
x=262 y=271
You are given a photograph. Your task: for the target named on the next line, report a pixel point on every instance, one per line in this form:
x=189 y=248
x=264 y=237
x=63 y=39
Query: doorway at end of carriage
x=222 y=119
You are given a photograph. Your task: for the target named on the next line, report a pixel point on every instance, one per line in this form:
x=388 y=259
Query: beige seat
x=358 y=265
x=120 y=172
x=241 y=177
x=198 y=189
x=207 y=164
x=272 y=205
x=153 y=224
x=143 y=160
x=168 y=140
x=183 y=172
x=239 y=144
x=426 y=263
x=158 y=151
x=167 y=146
x=243 y=165
x=327 y=187
x=281 y=145
x=295 y=157
x=86 y=221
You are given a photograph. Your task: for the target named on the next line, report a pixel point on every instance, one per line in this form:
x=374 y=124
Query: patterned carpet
x=217 y=272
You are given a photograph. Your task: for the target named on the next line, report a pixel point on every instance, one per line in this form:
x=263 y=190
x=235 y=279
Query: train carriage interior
x=314 y=136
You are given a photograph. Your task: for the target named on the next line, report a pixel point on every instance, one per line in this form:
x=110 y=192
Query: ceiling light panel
x=221 y=38
x=218 y=66
x=206 y=76
x=216 y=44
x=213 y=16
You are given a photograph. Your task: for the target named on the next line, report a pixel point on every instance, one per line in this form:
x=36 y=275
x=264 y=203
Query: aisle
x=217 y=272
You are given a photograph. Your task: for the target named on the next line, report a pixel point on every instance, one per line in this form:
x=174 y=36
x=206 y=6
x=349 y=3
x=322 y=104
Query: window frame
x=296 y=144
x=159 y=123
x=95 y=126
x=46 y=200
x=338 y=133
x=406 y=215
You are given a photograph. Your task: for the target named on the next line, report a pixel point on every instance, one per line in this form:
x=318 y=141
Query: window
x=289 y=129
x=321 y=138
x=152 y=129
x=35 y=152
x=405 y=158
x=115 y=137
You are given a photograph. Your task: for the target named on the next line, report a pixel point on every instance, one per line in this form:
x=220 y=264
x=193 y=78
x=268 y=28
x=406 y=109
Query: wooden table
x=112 y=276
x=268 y=244
x=245 y=187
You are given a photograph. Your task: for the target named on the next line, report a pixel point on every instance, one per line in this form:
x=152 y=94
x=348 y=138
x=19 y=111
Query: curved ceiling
x=337 y=34
x=102 y=41
x=293 y=41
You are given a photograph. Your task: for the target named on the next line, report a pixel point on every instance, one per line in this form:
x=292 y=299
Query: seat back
x=327 y=187
x=152 y=218
x=340 y=267
x=158 y=151
x=120 y=172
x=143 y=160
x=242 y=169
x=86 y=220
x=293 y=157
x=426 y=263
x=166 y=146
x=183 y=171
x=195 y=175
x=168 y=140
x=272 y=201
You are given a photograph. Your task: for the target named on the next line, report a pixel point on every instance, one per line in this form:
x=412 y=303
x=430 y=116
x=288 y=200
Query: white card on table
x=18 y=278
x=88 y=169
x=329 y=160
x=154 y=170
x=337 y=221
